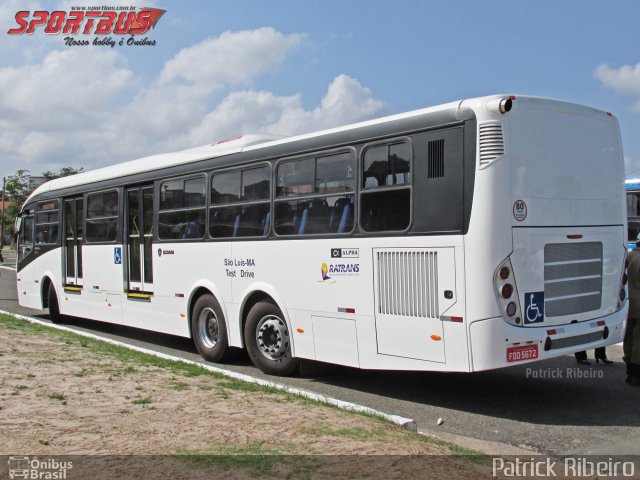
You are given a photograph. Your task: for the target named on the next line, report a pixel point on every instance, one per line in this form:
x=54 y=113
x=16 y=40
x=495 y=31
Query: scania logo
x=165 y=252
x=159 y=252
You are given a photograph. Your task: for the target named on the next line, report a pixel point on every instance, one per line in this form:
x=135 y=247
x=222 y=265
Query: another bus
x=633 y=211
x=469 y=236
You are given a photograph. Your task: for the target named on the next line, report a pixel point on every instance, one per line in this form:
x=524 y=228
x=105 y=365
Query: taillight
x=505 y=285
x=507 y=290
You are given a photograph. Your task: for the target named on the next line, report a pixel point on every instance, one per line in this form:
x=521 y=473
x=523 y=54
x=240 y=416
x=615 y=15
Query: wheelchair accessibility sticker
x=533 y=307
x=117 y=255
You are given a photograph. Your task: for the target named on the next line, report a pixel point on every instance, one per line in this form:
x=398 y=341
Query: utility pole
x=4 y=185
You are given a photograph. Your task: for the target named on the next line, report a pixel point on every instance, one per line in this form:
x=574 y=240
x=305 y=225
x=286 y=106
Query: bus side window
x=385 y=200
x=47 y=217
x=182 y=208
x=102 y=217
x=240 y=203
x=323 y=186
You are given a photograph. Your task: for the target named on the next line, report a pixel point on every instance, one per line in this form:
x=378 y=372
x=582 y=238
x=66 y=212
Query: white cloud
x=47 y=109
x=624 y=80
x=233 y=58
x=87 y=107
x=67 y=88
x=346 y=101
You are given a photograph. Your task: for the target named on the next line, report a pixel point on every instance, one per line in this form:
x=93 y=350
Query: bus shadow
x=170 y=344
x=554 y=392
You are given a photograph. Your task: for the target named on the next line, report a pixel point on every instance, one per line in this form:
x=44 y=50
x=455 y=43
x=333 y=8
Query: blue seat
x=266 y=224
x=303 y=221
x=236 y=225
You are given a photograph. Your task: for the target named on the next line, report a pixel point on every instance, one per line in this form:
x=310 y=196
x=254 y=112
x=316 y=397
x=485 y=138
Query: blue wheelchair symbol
x=534 y=307
x=117 y=255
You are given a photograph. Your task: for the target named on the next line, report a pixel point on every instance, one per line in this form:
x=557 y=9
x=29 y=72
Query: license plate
x=522 y=353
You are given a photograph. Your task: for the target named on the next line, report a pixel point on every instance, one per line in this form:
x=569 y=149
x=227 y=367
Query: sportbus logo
x=90 y=20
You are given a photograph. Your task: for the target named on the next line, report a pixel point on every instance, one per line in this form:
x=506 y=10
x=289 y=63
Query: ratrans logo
x=90 y=20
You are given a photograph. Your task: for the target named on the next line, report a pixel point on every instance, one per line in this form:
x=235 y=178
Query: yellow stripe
x=72 y=289
x=145 y=296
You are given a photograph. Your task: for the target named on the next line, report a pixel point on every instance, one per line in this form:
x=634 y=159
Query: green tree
x=18 y=187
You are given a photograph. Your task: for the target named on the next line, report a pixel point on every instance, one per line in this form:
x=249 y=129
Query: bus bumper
x=495 y=343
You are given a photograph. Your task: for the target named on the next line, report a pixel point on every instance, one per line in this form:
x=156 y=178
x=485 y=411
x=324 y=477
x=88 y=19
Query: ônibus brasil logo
x=88 y=20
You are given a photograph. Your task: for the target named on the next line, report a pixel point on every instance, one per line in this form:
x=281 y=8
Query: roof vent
x=491 y=143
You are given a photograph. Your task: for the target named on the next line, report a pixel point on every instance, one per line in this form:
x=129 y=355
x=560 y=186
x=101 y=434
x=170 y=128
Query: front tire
x=54 y=307
x=268 y=340
x=209 y=329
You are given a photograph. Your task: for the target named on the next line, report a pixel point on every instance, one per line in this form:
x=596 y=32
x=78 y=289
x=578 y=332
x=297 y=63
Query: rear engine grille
x=407 y=283
x=572 y=278
x=559 y=343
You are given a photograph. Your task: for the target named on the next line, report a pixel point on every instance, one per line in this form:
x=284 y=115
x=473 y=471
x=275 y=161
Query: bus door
x=139 y=239
x=413 y=287
x=73 y=216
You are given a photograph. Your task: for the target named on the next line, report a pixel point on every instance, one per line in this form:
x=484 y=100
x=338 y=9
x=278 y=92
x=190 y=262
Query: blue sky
x=223 y=68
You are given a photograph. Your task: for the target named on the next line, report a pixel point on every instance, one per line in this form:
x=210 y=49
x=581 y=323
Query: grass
x=58 y=396
x=354 y=433
x=256 y=459
x=223 y=383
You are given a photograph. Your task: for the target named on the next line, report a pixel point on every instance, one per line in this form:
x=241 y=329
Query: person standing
x=631 y=343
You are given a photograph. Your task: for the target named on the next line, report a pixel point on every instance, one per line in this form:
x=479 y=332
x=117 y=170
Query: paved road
x=509 y=411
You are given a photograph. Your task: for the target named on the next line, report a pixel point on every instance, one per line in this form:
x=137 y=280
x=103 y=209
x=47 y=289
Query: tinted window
x=47 y=216
x=246 y=195
x=296 y=177
x=183 y=193
x=102 y=217
x=315 y=182
x=335 y=173
x=385 y=202
x=182 y=208
x=387 y=165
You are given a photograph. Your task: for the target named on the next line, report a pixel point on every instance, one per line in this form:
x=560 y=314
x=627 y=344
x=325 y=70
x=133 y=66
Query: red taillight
x=601 y=323
x=574 y=237
x=504 y=273
x=552 y=331
x=507 y=290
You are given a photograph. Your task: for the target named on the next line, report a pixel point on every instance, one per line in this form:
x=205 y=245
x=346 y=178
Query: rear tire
x=209 y=329
x=54 y=307
x=268 y=340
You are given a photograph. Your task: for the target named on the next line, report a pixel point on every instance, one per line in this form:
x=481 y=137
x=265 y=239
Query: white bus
x=469 y=236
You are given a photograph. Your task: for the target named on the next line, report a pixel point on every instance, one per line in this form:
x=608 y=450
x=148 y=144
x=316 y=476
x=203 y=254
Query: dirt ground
x=61 y=394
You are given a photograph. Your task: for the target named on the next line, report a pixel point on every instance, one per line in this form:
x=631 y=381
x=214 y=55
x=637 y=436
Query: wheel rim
x=208 y=327
x=272 y=337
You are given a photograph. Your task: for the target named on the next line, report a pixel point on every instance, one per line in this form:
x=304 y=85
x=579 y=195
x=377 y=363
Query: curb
x=406 y=423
